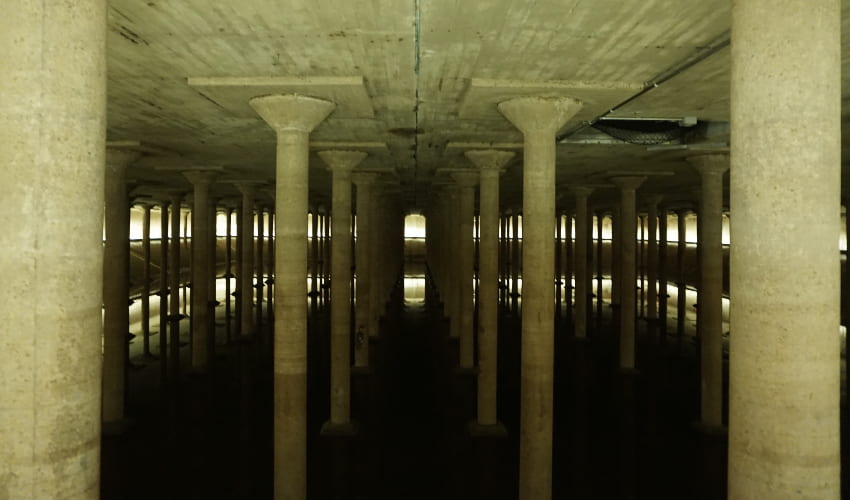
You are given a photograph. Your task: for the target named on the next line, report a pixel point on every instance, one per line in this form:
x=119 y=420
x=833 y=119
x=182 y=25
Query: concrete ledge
x=345 y=430
x=478 y=431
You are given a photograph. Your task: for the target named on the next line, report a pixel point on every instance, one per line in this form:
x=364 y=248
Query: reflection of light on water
x=414 y=289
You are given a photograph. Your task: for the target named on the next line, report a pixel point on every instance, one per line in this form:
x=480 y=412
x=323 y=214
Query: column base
x=117 y=427
x=480 y=431
x=345 y=430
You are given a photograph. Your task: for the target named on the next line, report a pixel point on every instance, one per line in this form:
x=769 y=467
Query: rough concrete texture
x=465 y=257
x=785 y=354
x=201 y=181
x=490 y=163
x=246 y=240
x=652 y=259
x=711 y=169
x=582 y=242
x=293 y=118
x=628 y=274
x=364 y=182
x=341 y=163
x=538 y=119
x=52 y=99
x=116 y=283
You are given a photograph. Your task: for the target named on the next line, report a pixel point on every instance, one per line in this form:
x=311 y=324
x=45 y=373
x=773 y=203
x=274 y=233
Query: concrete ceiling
x=415 y=82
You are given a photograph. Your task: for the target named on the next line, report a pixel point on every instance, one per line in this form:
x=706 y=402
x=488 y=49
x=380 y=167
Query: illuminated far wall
x=414 y=245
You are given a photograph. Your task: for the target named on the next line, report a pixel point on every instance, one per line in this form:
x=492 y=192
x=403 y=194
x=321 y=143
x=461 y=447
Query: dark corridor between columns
x=615 y=436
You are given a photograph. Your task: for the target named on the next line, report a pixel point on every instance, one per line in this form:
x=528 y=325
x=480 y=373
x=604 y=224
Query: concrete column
x=340 y=163
x=314 y=254
x=559 y=245
x=116 y=286
x=240 y=234
x=503 y=255
x=212 y=274
x=228 y=271
x=174 y=278
x=515 y=263
x=652 y=261
x=711 y=169
x=325 y=260
x=641 y=264
x=53 y=106
x=784 y=439
x=270 y=280
x=570 y=272
x=364 y=183
x=539 y=120
x=146 y=279
x=293 y=117
x=490 y=163
x=600 y=243
x=246 y=279
x=581 y=268
x=465 y=306
x=261 y=233
x=201 y=180
x=452 y=268
x=163 y=291
x=628 y=226
x=616 y=262
x=662 y=272
x=682 y=289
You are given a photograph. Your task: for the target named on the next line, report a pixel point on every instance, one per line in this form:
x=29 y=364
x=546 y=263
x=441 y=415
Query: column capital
x=489 y=160
x=342 y=161
x=710 y=164
x=539 y=114
x=467 y=178
x=248 y=188
x=117 y=157
x=581 y=191
x=292 y=113
x=654 y=200
x=363 y=178
x=628 y=182
x=200 y=177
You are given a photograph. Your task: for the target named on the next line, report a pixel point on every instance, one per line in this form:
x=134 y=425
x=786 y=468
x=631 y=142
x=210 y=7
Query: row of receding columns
x=784 y=401
x=116 y=282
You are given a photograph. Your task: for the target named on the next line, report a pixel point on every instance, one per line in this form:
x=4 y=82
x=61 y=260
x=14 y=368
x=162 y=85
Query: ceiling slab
x=483 y=95
x=233 y=93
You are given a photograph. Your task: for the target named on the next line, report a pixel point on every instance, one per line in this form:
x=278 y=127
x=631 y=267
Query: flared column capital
x=200 y=177
x=295 y=113
x=465 y=178
x=710 y=164
x=361 y=179
x=342 y=161
x=121 y=158
x=489 y=160
x=539 y=114
x=628 y=182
